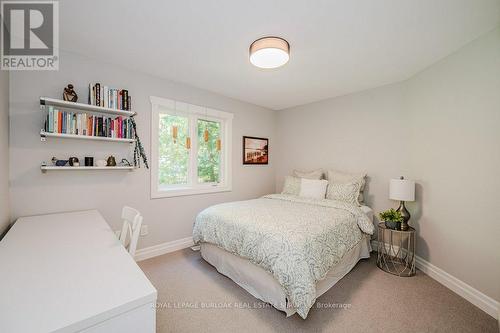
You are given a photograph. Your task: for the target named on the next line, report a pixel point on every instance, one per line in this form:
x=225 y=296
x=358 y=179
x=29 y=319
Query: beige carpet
x=374 y=302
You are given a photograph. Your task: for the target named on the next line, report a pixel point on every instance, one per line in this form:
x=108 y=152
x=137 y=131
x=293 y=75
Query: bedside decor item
x=73 y=160
x=403 y=190
x=111 y=161
x=69 y=94
x=255 y=150
x=101 y=163
x=396 y=251
x=392 y=219
x=89 y=161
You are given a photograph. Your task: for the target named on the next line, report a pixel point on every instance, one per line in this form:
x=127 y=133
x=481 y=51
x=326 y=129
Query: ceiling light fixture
x=269 y=52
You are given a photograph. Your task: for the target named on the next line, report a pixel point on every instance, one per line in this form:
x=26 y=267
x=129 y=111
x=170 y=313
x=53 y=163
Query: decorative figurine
x=69 y=94
x=111 y=161
x=125 y=162
x=58 y=162
x=73 y=161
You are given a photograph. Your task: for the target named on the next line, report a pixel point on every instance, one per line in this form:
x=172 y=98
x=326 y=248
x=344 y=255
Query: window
x=208 y=151
x=191 y=149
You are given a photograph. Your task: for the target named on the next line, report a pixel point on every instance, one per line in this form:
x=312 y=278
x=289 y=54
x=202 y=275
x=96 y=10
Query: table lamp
x=403 y=190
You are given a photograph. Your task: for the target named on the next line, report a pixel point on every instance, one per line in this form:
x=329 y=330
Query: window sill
x=188 y=191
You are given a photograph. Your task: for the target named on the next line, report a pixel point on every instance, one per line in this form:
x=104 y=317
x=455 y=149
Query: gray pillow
x=340 y=177
x=347 y=192
x=314 y=174
x=291 y=186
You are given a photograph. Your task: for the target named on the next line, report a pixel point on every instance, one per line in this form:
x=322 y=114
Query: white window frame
x=193 y=112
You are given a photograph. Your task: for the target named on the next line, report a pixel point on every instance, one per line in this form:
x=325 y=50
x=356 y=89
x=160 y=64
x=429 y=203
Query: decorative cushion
x=340 y=177
x=313 y=188
x=291 y=186
x=347 y=192
x=315 y=174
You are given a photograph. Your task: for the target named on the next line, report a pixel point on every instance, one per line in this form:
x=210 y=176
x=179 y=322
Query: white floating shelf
x=84 y=107
x=44 y=134
x=73 y=168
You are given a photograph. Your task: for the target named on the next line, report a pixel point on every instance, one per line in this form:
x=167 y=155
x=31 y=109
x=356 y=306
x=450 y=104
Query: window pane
x=174 y=156
x=208 y=154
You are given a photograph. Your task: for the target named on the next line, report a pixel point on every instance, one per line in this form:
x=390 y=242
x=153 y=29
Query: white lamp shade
x=402 y=190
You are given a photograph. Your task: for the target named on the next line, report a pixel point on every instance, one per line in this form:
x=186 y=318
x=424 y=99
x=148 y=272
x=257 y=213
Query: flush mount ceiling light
x=269 y=52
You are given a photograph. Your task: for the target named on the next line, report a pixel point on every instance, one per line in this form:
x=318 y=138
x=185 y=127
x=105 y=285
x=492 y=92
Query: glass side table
x=396 y=250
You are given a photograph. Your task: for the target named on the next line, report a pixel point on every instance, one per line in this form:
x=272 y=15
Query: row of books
x=86 y=124
x=107 y=97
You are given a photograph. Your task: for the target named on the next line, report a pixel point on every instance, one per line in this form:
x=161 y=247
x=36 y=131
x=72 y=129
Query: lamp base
x=406 y=216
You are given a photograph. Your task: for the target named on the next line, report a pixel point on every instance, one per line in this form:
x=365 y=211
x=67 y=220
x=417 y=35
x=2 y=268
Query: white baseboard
x=158 y=250
x=482 y=301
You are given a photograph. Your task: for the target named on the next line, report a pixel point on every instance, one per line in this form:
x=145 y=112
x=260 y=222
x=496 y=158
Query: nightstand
x=396 y=250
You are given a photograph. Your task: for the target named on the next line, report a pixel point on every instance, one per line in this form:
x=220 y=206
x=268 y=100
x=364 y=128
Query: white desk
x=67 y=273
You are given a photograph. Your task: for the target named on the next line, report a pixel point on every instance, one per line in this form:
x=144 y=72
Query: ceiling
x=337 y=46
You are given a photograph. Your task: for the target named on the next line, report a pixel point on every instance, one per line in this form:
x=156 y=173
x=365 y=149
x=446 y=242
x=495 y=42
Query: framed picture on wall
x=255 y=150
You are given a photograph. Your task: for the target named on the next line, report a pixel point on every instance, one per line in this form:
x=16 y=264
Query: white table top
x=64 y=272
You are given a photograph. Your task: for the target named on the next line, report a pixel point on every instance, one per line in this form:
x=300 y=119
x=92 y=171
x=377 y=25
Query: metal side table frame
x=396 y=251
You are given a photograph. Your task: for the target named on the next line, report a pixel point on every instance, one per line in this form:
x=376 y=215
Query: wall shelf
x=44 y=135
x=46 y=168
x=81 y=108
x=84 y=107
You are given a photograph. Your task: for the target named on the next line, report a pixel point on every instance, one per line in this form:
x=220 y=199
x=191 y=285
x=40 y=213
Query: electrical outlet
x=144 y=230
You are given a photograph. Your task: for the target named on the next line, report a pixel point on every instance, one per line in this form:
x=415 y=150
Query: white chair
x=132 y=221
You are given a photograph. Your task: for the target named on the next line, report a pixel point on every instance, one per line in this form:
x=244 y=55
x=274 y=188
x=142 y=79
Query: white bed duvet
x=297 y=240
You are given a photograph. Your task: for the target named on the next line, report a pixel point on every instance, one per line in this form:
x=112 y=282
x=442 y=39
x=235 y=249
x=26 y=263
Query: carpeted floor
x=366 y=300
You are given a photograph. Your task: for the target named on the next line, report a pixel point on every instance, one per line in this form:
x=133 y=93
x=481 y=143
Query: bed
x=283 y=249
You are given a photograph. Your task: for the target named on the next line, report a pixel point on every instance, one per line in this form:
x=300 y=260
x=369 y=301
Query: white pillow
x=291 y=186
x=313 y=188
x=347 y=192
x=315 y=174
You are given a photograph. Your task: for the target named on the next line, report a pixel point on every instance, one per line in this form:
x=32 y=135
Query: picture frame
x=255 y=150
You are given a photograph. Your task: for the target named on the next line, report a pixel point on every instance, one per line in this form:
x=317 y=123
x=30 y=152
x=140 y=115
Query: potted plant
x=392 y=219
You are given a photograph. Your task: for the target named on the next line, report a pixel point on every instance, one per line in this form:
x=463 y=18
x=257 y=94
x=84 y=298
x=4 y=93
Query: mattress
x=262 y=285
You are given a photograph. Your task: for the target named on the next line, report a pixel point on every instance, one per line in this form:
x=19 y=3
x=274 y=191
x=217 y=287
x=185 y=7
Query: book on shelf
x=64 y=122
x=107 y=97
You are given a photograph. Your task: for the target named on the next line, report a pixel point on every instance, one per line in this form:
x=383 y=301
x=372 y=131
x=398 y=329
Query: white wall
x=4 y=151
x=441 y=128
x=360 y=133
x=455 y=157
x=169 y=219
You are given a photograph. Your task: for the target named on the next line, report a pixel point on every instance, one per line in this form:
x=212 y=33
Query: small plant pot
x=393 y=225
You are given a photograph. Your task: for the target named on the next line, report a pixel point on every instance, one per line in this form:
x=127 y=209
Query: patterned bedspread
x=297 y=240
